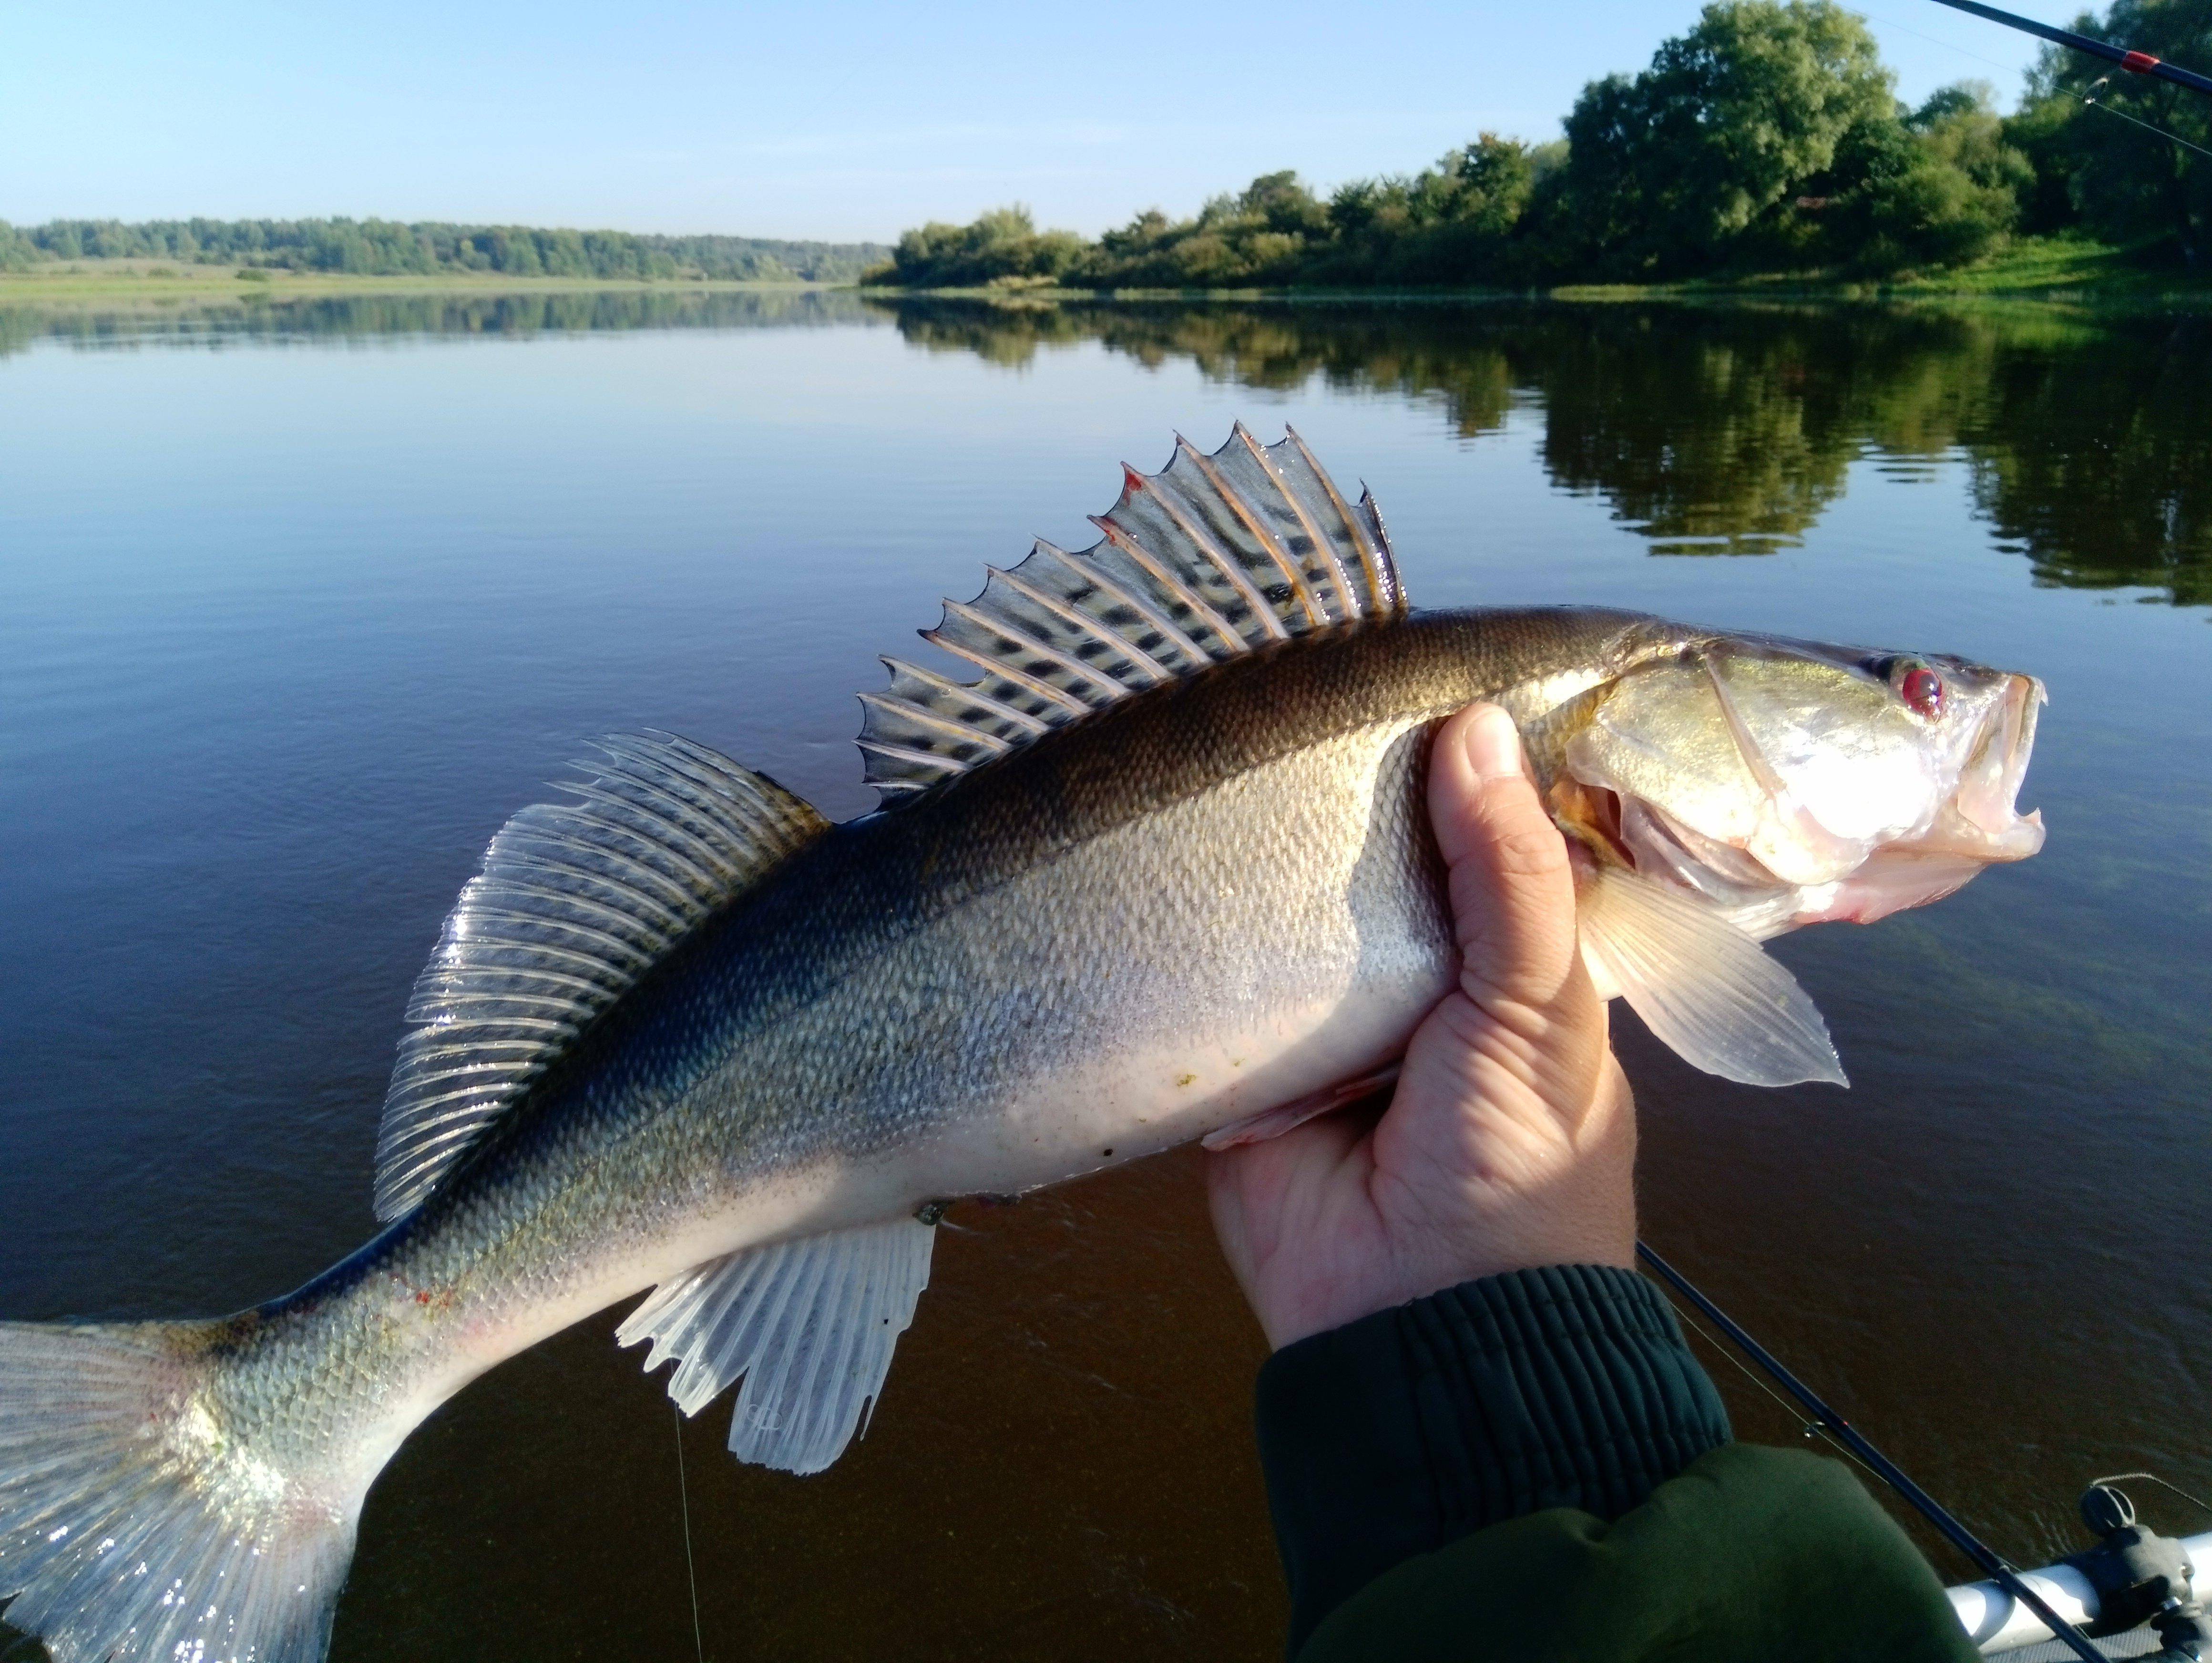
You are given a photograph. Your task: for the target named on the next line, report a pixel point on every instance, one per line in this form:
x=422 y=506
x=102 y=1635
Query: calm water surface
x=298 y=603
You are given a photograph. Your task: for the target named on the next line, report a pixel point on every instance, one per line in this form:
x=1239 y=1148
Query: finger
x=1511 y=885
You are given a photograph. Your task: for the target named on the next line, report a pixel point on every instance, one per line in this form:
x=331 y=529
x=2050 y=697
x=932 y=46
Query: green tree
x=1001 y=247
x=1451 y=224
x=1698 y=162
x=1942 y=187
x=2122 y=181
x=1766 y=138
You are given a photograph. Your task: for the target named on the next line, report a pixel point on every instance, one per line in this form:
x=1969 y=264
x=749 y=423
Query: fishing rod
x=1851 y=1439
x=2135 y=63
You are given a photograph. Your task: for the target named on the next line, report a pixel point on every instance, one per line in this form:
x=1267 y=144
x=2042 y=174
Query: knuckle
x=1529 y=848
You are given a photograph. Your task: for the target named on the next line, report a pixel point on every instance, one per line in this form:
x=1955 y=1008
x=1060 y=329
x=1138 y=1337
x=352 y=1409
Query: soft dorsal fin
x=576 y=900
x=1211 y=557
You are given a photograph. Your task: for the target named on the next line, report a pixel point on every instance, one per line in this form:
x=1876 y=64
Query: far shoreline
x=2062 y=271
x=93 y=279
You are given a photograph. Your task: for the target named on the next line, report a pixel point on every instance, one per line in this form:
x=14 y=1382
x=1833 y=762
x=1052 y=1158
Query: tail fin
x=137 y=1521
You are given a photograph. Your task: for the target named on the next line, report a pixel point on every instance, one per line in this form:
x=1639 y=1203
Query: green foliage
x=2118 y=178
x=1941 y=188
x=1702 y=160
x=375 y=247
x=1444 y=225
x=1266 y=233
x=1003 y=246
x=1434 y=228
x=1767 y=139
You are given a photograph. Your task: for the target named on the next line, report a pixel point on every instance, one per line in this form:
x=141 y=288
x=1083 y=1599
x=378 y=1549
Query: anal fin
x=811 y=1324
x=1704 y=987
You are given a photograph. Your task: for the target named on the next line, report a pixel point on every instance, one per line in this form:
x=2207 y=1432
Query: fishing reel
x=2140 y=1576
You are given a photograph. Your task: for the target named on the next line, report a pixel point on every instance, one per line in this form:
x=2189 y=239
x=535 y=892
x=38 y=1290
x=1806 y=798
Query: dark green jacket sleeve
x=1532 y=1466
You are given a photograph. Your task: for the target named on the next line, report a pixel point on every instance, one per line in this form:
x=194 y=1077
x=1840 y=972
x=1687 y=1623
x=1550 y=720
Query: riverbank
x=2068 y=268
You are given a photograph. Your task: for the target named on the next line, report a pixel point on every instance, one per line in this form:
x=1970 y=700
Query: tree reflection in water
x=1728 y=430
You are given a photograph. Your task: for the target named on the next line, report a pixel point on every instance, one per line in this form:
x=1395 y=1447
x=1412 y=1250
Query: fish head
x=1791 y=782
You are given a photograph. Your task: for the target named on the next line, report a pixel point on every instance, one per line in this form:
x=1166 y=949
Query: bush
x=1002 y=246
x=1945 y=191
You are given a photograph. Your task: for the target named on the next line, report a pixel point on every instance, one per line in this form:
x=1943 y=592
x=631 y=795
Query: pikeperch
x=1162 y=872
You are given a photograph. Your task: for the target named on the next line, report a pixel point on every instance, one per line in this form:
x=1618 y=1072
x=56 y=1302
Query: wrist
x=1393 y=1436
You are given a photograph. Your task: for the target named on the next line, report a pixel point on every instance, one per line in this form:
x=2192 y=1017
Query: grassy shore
x=2054 y=268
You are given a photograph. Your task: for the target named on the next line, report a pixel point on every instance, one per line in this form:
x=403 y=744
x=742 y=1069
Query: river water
x=298 y=601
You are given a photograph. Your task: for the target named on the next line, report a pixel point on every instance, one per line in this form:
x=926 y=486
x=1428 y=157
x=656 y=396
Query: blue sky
x=838 y=118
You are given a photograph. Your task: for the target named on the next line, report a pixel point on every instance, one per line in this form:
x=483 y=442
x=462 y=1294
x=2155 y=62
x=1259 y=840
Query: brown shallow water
x=297 y=604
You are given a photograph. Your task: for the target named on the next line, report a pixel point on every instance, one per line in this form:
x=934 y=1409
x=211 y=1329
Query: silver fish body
x=1211 y=900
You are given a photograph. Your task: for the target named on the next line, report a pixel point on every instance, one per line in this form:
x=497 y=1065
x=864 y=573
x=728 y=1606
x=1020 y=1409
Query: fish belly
x=1272 y=937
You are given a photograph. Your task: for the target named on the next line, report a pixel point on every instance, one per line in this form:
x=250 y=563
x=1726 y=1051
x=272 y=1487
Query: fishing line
x=2135 y=63
x=1813 y=1429
x=683 y=1500
x=1934 y=1511
x=2114 y=1478
x=2106 y=81
x=1932 y=40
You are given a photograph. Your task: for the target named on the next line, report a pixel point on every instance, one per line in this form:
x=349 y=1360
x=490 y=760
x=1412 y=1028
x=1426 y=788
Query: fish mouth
x=1979 y=826
x=1989 y=823
x=1976 y=825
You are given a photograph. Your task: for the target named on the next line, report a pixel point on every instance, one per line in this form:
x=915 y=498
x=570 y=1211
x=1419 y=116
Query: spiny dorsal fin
x=576 y=900
x=1209 y=559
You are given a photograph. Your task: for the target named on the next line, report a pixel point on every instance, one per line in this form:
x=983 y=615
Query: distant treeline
x=382 y=248
x=1766 y=139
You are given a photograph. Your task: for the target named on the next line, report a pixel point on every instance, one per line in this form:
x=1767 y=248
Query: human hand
x=1510 y=1140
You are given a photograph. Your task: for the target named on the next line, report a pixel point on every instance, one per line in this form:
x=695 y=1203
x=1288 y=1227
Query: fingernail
x=1493 y=745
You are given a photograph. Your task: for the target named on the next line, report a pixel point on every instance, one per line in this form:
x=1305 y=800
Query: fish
x=1158 y=870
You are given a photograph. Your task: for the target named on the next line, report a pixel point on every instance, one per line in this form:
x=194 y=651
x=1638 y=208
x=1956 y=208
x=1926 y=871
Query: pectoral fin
x=1273 y=1122
x=1701 y=984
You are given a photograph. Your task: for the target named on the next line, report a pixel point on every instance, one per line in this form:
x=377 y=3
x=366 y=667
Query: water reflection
x=1730 y=430
x=1710 y=429
x=191 y=321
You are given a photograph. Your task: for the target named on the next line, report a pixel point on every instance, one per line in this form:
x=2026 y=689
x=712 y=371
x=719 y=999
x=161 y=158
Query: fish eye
x=1918 y=686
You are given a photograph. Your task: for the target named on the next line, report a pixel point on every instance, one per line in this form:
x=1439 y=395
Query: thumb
x=1511 y=885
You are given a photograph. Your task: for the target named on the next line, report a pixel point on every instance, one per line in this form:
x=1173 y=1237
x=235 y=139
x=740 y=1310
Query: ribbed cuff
x=1568 y=1386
